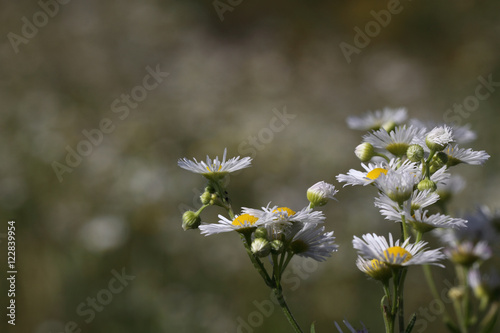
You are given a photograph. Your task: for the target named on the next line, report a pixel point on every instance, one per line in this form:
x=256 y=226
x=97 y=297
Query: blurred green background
x=119 y=209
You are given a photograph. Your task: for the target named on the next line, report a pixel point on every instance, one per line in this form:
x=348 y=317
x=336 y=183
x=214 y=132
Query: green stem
x=432 y=286
x=259 y=266
x=382 y=155
x=428 y=164
x=489 y=320
x=286 y=310
x=387 y=315
x=401 y=311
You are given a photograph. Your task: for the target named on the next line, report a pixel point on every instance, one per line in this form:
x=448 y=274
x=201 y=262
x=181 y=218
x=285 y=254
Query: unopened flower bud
x=277 y=246
x=261 y=232
x=438 y=161
x=320 y=193
x=415 y=153
x=261 y=247
x=190 y=220
x=205 y=198
x=364 y=151
x=426 y=184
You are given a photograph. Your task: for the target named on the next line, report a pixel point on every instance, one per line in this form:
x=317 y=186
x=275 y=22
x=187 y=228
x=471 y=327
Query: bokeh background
x=120 y=208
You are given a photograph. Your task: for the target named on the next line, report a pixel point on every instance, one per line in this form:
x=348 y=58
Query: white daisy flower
x=396 y=142
x=397 y=185
x=394 y=254
x=312 y=242
x=458 y=155
x=242 y=223
x=393 y=212
x=480 y=226
x=467 y=253
x=373 y=171
x=215 y=169
x=461 y=134
x=423 y=223
x=319 y=193
x=439 y=138
x=285 y=221
x=386 y=118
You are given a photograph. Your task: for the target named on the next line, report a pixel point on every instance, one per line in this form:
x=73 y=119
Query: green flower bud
x=277 y=246
x=365 y=151
x=415 y=153
x=190 y=220
x=205 y=198
x=261 y=247
x=261 y=232
x=320 y=193
x=427 y=184
x=438 y=161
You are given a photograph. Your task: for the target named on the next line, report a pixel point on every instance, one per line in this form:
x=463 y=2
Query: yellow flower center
x=213 y=166
x=395 y=251
x=376 y=265
x=284 y=209
x=375 y=173
x=240 y=220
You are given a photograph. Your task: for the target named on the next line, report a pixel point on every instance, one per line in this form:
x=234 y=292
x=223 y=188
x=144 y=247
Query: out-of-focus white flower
x=373 y=120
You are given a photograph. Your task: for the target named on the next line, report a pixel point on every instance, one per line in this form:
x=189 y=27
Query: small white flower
x=215 y=168
x=423 y=223
x=373 y=171
x=312 y=242
x=377 y=119
x=458 y=155
x=394 y=254
x=461 y=134
x=242 y=223
x=395 y=142
x=467 y=253
x=397 y=185
x=479 y=228
x=319 y=193
x=439 y=138
x=283 y=220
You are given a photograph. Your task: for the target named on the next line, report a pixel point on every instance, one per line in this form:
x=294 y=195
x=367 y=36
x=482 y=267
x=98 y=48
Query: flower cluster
x=409 y=164
x=275 y=232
